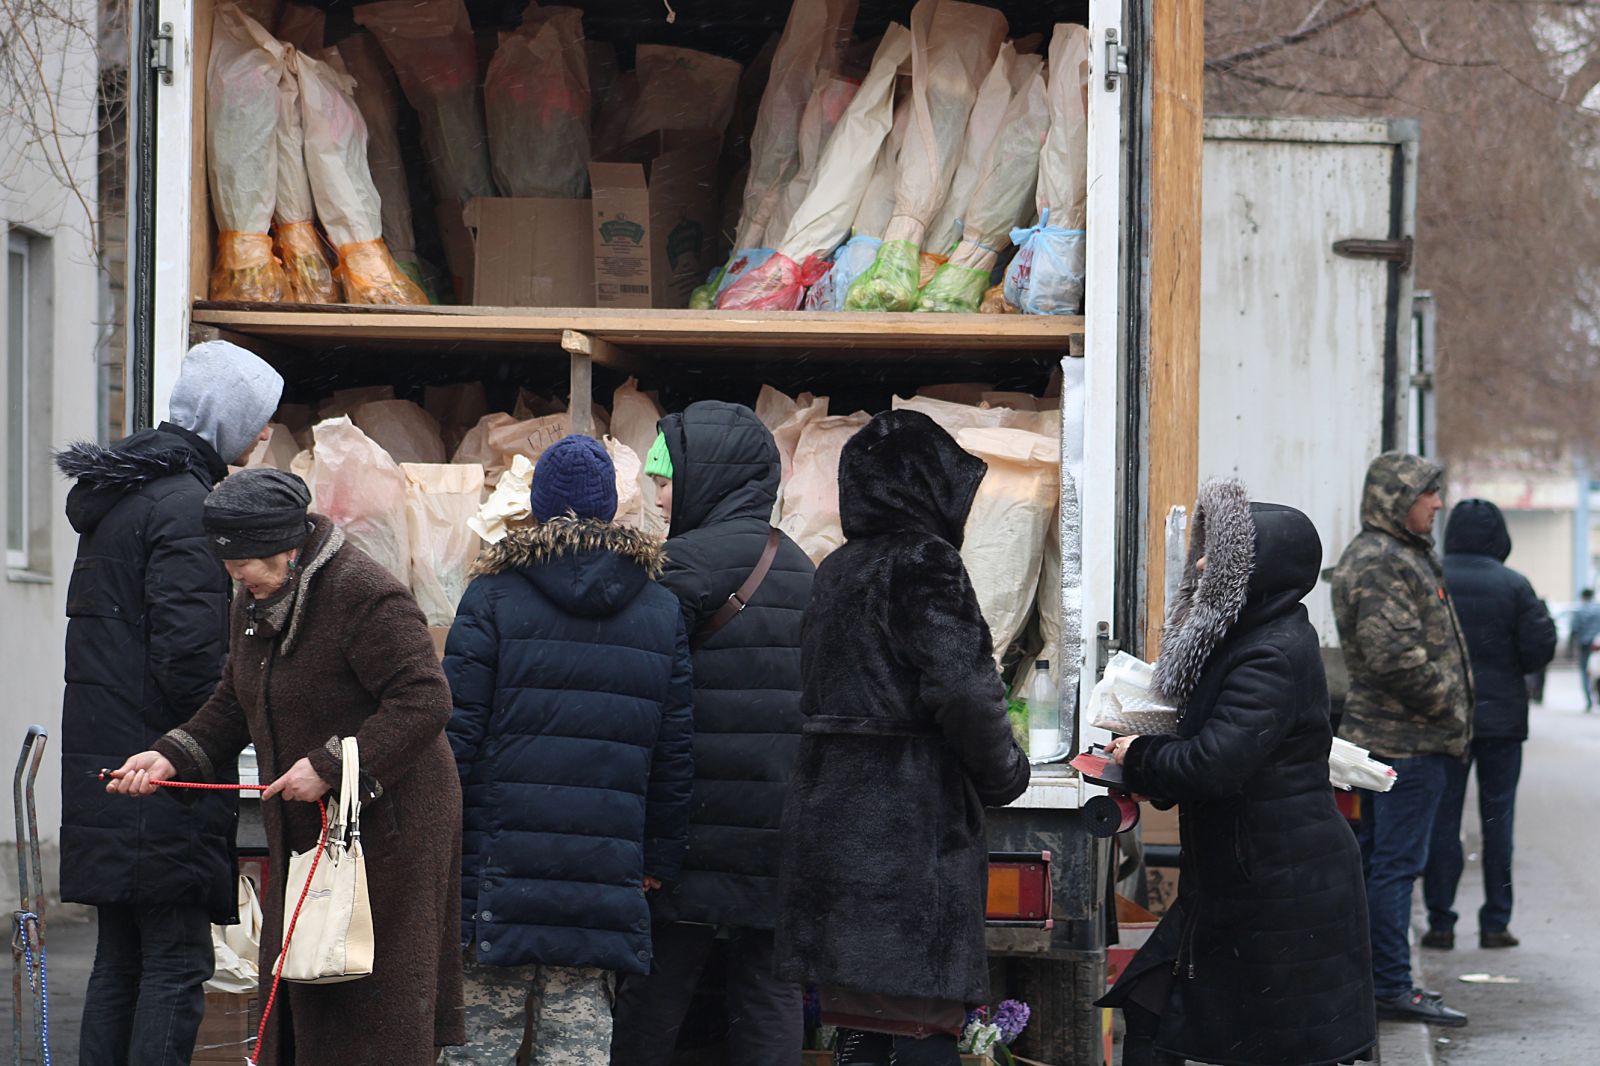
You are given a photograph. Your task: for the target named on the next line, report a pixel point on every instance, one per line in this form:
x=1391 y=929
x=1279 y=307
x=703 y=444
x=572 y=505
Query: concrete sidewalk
x=69 y=953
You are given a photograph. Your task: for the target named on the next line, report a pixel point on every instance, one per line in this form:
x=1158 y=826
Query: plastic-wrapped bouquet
x=991 y=1034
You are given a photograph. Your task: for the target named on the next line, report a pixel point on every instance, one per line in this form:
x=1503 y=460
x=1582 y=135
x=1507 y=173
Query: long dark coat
x=747 y=676
x=1509 y=630
x=1264 y=956
x=574 y=732
x=906 y=741
x=147 y=622
x=355 y=659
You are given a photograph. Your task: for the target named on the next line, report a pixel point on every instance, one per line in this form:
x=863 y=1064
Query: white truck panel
x=1293 y=337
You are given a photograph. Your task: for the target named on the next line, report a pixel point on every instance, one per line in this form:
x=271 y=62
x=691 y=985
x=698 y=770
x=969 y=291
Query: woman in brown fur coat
x=326 y=644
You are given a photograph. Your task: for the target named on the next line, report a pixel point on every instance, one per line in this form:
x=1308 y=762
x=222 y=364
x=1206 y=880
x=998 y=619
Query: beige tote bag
x=332 y=939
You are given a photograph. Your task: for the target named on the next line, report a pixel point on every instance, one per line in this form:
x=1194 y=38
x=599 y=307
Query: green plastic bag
x=891 y=282
x=954 y=289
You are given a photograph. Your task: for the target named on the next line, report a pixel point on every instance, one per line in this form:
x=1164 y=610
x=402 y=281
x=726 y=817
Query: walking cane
x=27 y=938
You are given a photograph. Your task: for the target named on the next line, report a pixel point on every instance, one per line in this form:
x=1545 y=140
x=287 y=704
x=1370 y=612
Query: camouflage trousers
x=536 y=1016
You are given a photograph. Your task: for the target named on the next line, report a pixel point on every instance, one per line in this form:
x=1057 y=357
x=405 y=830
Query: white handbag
x=332 y=939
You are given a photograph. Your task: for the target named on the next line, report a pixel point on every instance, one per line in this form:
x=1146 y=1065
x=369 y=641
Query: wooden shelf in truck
x=689 y=335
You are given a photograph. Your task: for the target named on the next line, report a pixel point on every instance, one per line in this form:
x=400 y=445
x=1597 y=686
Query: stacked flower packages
x=284 y=141
x=916 y=193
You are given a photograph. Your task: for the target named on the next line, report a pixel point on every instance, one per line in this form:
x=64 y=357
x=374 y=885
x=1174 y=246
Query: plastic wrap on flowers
x=1046 y=277
x=779 y=284
x=369 y=275
x=246 y=270
x=849 y=263
x=704 y=296
x=954 y=289
x=305 y=268
x=891 y=283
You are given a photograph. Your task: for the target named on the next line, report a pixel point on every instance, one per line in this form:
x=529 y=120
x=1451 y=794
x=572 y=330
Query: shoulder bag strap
x=742 y=597
x=349 y=788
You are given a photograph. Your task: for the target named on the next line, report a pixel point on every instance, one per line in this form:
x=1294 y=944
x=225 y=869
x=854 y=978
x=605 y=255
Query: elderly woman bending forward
x=325 y=644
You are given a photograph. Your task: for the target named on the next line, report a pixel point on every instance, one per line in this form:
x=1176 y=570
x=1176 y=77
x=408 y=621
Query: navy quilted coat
x=573 y=731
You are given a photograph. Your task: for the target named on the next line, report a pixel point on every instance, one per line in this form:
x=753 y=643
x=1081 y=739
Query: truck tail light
x=1019 y=889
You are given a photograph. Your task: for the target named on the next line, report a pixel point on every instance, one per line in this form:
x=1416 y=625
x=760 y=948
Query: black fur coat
x=906 y=740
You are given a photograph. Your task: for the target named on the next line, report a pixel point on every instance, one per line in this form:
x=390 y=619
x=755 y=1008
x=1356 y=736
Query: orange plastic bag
x=247 y=270
x=305 y=267
x=369 y=275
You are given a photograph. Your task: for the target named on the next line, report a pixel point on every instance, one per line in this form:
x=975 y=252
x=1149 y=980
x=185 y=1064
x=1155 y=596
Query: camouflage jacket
x=1410 y=679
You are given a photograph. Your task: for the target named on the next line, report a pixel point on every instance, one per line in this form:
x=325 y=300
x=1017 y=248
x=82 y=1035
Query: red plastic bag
x=779 y=284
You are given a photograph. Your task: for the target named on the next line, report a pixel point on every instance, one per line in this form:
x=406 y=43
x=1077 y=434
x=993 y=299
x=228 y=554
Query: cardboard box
x=228 y=1028
x=1157 y=826
x=530 y=252
x=655 y=219
x=457 y=241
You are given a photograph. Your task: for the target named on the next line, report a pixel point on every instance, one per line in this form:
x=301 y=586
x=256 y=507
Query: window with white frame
x=28 y=308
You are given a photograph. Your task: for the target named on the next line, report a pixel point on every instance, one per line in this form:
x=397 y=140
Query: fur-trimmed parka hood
x=1260 y=558
x=106 y=474
x=590 y=568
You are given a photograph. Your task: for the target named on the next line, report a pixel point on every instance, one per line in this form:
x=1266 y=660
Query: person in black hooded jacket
x=1509 y=635
x=147 y=626
x=1264 y=958
x=885 y=861
x=718 y=469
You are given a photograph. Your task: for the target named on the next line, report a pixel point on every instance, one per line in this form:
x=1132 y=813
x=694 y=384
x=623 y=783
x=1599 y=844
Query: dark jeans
x=857 y=1048
x=1396 y=828
x=145 y=997
x=765 y=1015
x=1583 y=677
x=1499 y=763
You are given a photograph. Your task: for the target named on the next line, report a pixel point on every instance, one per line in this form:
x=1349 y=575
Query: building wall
x=48 y=194
x=1541 y=550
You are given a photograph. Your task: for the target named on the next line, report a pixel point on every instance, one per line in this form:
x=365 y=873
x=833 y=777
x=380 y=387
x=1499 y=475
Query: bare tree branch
x=1222 y=64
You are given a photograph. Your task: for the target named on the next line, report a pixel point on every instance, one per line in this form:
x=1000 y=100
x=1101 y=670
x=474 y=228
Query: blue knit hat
x=574 y=474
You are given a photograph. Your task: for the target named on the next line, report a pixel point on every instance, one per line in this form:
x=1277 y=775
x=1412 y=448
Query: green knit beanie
x=659 y=462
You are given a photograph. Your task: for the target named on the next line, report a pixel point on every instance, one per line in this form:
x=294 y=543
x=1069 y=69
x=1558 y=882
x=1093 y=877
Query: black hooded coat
x=1264 y=958
x=1508 y=629
x=147 y=625
x=906 y=740
x=746 y=676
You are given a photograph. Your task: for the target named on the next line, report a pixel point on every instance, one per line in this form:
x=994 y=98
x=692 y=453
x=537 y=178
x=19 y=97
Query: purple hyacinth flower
x=1011 y=1017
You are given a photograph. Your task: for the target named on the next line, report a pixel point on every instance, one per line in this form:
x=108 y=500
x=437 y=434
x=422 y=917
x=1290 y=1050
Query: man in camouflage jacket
x=1410 y=704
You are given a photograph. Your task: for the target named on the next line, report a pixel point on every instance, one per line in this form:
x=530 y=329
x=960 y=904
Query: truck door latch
x=161 y=53
x=1116 y=59
x=1394 y=251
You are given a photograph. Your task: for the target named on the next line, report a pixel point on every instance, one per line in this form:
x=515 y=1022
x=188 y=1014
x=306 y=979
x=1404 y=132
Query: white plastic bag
x=508 y=506
x=356 y=484
x=238 y=947
x=440 y=501
x=407 y=432
x=243 y=82
x=1124 y=702
x=341 y=183
x=537 y=106
x=1350 y=767
x=810 y=501
x=1003 y=545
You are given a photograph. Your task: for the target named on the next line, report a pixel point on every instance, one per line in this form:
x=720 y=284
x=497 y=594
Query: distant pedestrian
x=717 y=470
x=147 y=628
x=1585 y=631
x=1264 y=958
x=906 y=741
x=1509 y=634
x=573 y=733
x=326 y=644
x=1410 y=704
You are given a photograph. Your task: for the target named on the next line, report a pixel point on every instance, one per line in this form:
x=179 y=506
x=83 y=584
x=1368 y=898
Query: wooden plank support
x=580 y=349
x=1177 y=86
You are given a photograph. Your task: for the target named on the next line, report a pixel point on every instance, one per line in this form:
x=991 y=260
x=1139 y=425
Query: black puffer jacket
x=1509 y=630
x=747 y=676
x=147 y=625
x=1264 y=959
x=885 y=857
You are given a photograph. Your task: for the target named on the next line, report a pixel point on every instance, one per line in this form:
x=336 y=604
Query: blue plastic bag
x=1046 y=277
x=849 y=262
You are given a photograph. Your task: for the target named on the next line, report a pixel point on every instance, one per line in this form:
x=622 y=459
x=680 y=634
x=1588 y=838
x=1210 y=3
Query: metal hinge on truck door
x=161 y=53
x=1116 y=59
x=1393 y=251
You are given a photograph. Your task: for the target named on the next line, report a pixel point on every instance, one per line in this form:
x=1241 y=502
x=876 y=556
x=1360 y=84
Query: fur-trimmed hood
x=591 y=568
x=1261 y=558
x=106 y=474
